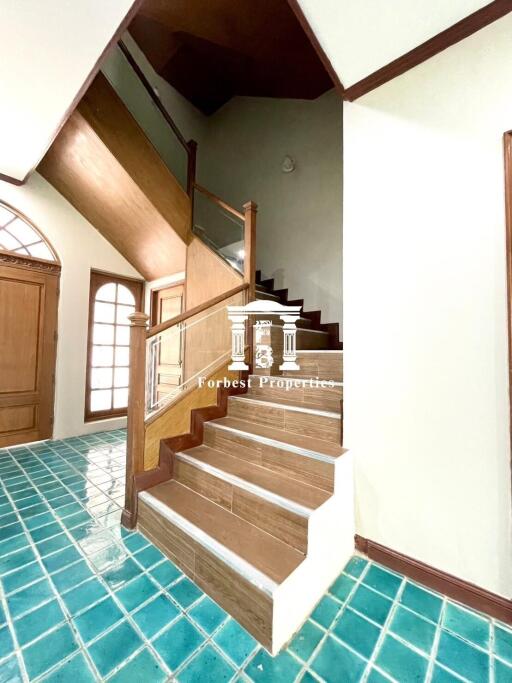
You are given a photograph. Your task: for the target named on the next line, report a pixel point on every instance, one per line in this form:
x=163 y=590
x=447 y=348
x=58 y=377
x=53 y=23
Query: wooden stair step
x=300 y=390
x=288 y=490
x=290 y=416
x=324 y=364
x=263 y=294
x=212 y=523
x=306 y=446
x=311 y=339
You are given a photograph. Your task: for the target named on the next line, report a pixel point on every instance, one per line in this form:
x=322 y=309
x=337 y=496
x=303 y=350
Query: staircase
x=260 y=514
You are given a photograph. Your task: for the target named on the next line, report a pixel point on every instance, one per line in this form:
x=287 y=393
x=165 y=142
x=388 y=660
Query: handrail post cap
x=138 y=319
x=250 y=206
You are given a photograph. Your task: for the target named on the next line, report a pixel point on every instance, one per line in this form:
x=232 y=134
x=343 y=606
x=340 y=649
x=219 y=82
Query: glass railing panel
x=138 y=101
x=179 y=356
x=219 y=228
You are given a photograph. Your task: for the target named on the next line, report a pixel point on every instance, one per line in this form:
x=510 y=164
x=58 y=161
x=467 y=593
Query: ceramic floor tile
x=85 y=600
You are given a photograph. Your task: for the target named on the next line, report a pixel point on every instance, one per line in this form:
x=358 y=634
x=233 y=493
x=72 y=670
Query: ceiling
x=48 y=49
x=213 y=51
x=361 y=37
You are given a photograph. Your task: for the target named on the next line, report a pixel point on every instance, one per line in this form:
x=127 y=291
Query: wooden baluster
x=250 y=211
x=136 y=414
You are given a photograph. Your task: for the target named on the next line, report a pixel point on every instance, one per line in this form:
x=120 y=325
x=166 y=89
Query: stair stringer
x=330 y=546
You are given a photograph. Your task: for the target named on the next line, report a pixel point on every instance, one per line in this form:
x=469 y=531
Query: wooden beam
x=454 y=34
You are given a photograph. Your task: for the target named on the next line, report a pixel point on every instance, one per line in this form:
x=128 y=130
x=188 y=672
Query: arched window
x=18 y=236
x=112 y=300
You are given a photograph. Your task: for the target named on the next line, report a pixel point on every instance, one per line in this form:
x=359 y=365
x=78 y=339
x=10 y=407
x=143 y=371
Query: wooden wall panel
x=176 y=419
x=84 y=171
x=208 y=275
x=107 y=115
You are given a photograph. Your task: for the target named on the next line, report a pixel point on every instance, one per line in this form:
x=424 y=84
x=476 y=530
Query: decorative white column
x=238 y=342
x=289 y=342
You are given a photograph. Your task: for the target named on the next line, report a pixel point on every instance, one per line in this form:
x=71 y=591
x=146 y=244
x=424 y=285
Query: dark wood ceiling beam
x=450 y=36
x=297 y=10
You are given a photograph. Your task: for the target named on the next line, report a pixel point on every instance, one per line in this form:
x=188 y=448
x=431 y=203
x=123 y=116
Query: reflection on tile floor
x=83 y=600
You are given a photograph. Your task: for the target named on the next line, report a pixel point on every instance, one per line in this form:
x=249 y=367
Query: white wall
x=299 y=224
x=361 y=37
x=47 y=51
x=425 y=314
x=80 y=247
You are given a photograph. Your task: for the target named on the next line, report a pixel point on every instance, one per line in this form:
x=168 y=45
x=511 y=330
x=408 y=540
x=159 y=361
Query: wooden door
x=167 y=303
x=28 y=339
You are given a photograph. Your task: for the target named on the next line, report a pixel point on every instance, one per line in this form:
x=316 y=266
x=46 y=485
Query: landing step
x=258 y=557
x=277 y=488
x=306 y=446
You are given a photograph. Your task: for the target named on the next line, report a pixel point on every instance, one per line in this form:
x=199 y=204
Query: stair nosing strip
x=270 y=496
x=231 y=559
x=297 y=409
x=283 y=445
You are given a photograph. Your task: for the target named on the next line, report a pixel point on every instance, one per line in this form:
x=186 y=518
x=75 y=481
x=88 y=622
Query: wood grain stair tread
x=290 y=404
x=286 y=440
x=307 y=496
x=270 y=556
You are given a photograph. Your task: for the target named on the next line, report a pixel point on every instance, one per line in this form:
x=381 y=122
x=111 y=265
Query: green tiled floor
x=83 y=600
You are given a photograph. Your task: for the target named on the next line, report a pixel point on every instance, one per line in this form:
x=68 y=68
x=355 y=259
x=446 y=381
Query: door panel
x=168 y=303
x=28 y=323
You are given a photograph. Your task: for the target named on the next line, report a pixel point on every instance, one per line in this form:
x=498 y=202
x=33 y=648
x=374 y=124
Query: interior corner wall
x=426 y=404
x=80 y=247
x=299 y=223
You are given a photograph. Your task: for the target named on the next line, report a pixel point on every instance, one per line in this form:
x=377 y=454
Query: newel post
x=136 y=414
x=250 y=211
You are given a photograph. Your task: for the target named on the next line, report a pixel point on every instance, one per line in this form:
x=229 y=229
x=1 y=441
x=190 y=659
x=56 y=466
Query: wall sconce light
x=288 y=164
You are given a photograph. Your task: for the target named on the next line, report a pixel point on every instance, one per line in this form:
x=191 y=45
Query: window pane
x=120 y=398
x=40 y=250
x=121 y=377
x=101 y=378
x=7 y=241
x=122 y=355
x=122 y=314
x=107 y=292
x=101 y=400
x=123 y=336
x=124 y=296
x=104 y=313
x=103 y=334
x=102 y=356
x=5 y=215
x=23 y=232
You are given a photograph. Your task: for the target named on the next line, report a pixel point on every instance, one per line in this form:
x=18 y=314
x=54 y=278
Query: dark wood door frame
x=507 y=145
x=153 y=299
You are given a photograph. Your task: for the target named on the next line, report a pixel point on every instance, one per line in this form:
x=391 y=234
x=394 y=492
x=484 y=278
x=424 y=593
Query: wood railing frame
x=190 y=146
x=136 y=414
x=139 y=332
x=161 y=327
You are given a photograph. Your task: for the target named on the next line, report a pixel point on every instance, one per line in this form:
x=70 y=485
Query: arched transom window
x=113 y=299
x=19 y=237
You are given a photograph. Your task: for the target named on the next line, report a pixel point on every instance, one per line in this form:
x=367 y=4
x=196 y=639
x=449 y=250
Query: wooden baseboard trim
x=458 y=589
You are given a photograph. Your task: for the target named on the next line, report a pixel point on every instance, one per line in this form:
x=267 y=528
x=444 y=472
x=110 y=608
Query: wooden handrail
x=151 y=91
x=217 y=200
x=161 y=327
